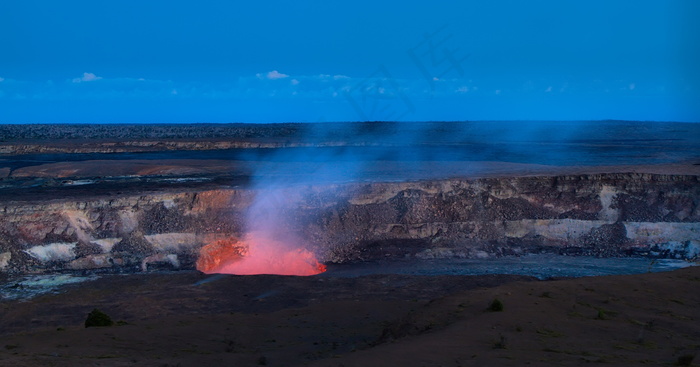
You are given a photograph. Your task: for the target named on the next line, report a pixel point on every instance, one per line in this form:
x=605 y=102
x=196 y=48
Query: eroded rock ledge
x=603 y=214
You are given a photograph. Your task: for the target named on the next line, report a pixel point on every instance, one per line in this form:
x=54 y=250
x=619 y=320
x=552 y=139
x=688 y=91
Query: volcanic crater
x=168 y=203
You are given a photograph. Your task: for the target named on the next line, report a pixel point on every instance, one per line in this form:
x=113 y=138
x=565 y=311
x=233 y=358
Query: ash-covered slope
x=613 y=214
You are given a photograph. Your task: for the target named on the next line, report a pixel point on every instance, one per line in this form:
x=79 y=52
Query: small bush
x=496 y=305
x=501 y=343
x=98 y=318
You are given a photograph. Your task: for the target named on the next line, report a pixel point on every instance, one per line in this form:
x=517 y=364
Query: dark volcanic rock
x=604 y=215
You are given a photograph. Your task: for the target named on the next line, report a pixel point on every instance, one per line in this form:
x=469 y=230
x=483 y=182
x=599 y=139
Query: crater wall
x=603 y=215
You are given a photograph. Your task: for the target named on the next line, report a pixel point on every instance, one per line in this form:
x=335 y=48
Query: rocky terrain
x=604 y=215
x=349 y=192
x=118 y=217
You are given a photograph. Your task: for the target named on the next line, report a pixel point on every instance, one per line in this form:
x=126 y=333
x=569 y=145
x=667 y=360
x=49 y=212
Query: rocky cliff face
x=605 y=215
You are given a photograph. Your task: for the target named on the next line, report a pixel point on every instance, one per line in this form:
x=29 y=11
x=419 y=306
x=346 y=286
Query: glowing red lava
x=257 y=254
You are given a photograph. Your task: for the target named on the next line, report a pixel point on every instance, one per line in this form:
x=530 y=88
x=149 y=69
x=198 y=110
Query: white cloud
x=87 y=77
x=274 y=74
x=295 y=82
x=1 y=79
x=462 y=89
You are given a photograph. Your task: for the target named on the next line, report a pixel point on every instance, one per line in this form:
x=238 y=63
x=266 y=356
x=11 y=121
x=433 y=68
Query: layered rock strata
x=601 y=214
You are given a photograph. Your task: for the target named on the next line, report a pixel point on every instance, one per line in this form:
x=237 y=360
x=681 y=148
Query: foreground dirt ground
x=191 y=319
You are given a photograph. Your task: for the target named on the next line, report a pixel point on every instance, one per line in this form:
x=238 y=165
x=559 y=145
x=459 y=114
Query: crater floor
x=191 y=319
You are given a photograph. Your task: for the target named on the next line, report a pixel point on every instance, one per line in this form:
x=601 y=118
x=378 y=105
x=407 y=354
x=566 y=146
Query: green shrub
x=98 y=318
x=496 y=305
x=501 y=343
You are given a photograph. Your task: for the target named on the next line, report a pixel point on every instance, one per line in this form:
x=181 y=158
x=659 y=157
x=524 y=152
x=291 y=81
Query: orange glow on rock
x=257 y=254
x=214 y=255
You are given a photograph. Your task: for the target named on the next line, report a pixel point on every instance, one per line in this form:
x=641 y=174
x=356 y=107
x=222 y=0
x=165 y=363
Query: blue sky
x=274 y=61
